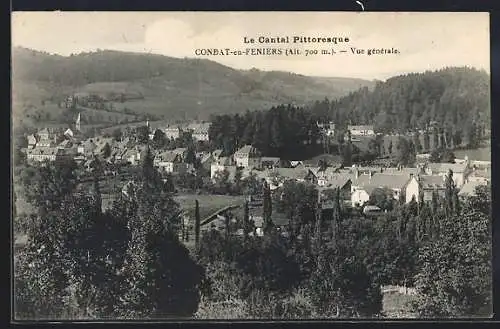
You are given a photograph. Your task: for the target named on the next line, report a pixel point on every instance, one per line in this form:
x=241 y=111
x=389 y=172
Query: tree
x=341 y=286
x=46 y=186
x=142 y=134
x=106 y=151
x=159 y=277
x=197 y=225
x=449 y=193
x=267 y=208
x=159 y=139
x=67 y=262
x=190 y=155
x=405 y=152
x=382 y=198
x=455 y=270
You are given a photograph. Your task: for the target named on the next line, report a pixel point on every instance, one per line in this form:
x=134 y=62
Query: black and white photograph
x=250 y=166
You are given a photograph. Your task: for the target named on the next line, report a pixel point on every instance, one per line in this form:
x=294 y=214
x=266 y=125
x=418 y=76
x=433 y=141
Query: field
x=480 y=154
x=208 y=203
x=395 y=304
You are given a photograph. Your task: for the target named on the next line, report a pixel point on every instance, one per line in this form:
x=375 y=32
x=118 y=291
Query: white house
x=361 y=130
x=31 y=141
x=361 y=195
x=45 y=154
x=327 y=128
x=396 y=182
x=248 y=157
x=479 y=175
x=200 y=131
x=172 y=132
x=219 y=165
x=69 y=133
x=425 y=185
x=169 y=162
x=86 y=147
x=469 y=188
x=460 y=171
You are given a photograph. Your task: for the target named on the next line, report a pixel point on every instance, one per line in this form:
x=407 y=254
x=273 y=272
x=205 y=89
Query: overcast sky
x=426 y=41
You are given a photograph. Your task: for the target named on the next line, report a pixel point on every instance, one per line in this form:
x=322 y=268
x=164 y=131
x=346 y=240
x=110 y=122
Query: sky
x=425 y=41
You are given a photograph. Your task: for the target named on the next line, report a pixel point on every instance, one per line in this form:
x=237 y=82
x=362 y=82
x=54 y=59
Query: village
x=117 y=158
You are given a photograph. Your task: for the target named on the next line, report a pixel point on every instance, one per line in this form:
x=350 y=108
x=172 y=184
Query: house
x=469 y=188
x=327 y=128
x=69 y=133
x=480 y=175
x=65 y=144
x=172 y=132
x=86 y=147
x=118 y=154
x=168 y=161
x=181 y=152
x=218 y=165
x=153 y=133
x=247 y=157
x=90 y=164
x=425 y=186
x=101 y=144
x=215 y=172
x=327 y=175
x=129 y=189
x=460 y=171
x=46 y=134
x=368 y=182
x=206 y=161
x=270 y=162
x=277 y=176
x=361 y=195
x=133 y=156
x=31 y=141
x=45 y=141
x=361 y=130
x=343 y=182
x=200 y=131
x=217 y=153
x=69 y=102
x=38 y=155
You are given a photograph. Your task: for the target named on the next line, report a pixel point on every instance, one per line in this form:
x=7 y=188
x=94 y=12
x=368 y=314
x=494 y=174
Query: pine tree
x=197 y=225
x=267 y=207
x=246 y=221
x=450 y=190
x=159 y=277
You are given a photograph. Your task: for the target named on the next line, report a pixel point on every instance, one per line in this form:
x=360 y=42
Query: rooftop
x=469 y=188
x=445 y=167
x=247 y=150
x=394 y=181
x=431 y=181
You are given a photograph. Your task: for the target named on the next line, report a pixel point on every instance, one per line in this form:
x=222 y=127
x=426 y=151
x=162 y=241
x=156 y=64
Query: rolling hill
x=169 y=88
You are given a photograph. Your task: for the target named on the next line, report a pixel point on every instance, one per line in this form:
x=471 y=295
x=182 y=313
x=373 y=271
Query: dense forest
x=285 y=131
x=454 y=98
x=450 y=105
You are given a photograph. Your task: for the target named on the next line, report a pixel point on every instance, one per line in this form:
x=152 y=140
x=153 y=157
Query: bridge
x=214 y=215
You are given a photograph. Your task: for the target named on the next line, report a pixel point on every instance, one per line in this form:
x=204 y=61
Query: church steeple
x=77 y=123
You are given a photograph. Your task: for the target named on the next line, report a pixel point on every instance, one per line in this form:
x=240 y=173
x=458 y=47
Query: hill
x=454 y=98
x=166 y=87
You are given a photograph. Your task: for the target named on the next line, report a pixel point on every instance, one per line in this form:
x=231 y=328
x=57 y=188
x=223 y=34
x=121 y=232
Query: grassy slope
x=173 y=88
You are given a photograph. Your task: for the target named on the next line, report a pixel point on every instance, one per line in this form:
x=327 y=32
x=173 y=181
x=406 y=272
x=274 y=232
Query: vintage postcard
x=251 y=165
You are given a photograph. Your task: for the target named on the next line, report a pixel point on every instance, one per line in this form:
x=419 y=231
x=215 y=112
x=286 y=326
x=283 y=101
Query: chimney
x=356 y=173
